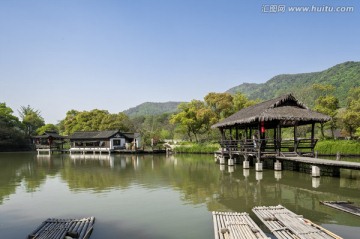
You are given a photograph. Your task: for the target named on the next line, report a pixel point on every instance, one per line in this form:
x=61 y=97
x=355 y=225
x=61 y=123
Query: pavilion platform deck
x=64 y=228
x=234 y=225
x=344 y=206
x=47 y=149
x=285 y=224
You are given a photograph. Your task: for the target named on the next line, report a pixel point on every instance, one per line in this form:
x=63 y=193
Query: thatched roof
x=283 y=108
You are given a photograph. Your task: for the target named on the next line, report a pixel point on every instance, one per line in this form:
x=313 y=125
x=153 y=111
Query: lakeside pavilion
x=256 y=131
x=48 y=142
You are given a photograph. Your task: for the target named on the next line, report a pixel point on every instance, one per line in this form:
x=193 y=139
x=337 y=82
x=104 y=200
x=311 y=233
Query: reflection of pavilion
x=100 y=157
x=242 y=190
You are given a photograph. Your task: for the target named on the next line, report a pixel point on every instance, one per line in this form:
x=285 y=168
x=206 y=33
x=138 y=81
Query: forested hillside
x=342 y=76
x=151 y=108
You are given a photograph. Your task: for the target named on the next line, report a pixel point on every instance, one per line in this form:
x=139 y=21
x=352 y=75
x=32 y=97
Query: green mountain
x=342 y=76
x=152 y=108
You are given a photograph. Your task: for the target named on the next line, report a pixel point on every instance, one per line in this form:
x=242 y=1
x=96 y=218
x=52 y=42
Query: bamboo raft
x=285 y=224
x=64 y=229
x=234 y=225
x=344 y=206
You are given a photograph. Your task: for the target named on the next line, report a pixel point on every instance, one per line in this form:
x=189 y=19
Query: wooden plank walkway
x=323 y=162
x=234 y=225
x=285 y=224
x=344 y=206
x=64 y=228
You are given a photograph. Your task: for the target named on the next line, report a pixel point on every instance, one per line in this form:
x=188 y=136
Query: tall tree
x=31 y=119
x=118 y=121
x=7 y=117
x=351 y=116
x=240 y=101
x=11 y=135
x=94 y=120
x=328 y=105
x=47 y=127
x=220 y=103
x=195 y=117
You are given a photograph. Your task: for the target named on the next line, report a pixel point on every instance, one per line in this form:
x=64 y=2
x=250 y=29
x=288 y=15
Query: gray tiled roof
x=94 y=134
x=106 y=134
x=52 y=134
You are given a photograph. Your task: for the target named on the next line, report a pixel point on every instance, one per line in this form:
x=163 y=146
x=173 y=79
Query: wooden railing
x=269 y=146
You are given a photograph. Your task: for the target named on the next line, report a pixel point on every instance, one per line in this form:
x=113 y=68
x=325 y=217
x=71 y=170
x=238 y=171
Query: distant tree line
x=192 y=121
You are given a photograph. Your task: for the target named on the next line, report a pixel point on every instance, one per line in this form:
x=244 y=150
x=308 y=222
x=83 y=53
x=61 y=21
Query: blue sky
x=85 y=54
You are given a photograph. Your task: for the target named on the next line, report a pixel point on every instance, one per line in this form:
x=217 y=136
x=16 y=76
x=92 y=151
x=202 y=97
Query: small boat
x=344 y=206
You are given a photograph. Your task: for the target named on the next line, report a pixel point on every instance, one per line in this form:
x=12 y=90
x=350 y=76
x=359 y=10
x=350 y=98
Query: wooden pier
x=344 y=206
x=322 y=162
x=285 y=224
x=64 y=228
x=236 y=225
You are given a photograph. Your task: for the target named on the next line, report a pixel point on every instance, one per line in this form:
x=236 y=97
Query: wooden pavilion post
x=312 y=138
x=222 y=134
x=275 y=140
x=260 y=139
x=295 y=137
x=278 y=140
x=312 y=132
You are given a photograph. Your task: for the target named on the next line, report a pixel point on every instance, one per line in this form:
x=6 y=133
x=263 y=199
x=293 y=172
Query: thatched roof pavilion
x=285 y=109
x=281 y=112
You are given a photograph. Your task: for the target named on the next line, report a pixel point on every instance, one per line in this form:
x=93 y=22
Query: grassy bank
x=202 y=148
x=344 y=147
x=325 y=147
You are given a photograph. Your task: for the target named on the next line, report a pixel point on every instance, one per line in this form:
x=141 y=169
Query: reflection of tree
x=21 y=167
x=197 y=178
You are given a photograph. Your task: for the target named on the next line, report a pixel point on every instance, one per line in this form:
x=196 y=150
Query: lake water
x=153 y=196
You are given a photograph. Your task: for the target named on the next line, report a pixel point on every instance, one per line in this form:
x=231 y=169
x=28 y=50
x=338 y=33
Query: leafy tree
x=328 y=105
x=31 y=119
x=154 y=128
x=47 y=127
x=195 y=118
x=94 y=120
x=351 y=120
x=220 y=103
x=322 y=89
x=240 y=101
x=118 y=121
x=351 y=116
x=11 y=136
x=7 y=117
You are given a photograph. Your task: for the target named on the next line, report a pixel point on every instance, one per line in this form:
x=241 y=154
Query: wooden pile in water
x=344 y=206
x=64 y=229
x=285 y=224
x=234 y=225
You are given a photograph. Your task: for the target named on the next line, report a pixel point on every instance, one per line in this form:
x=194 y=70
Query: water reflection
x=194 y=180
